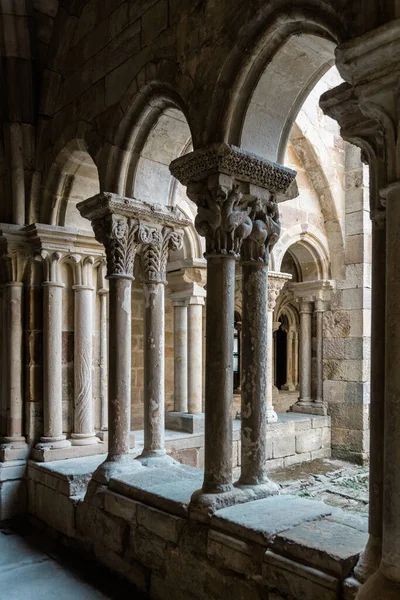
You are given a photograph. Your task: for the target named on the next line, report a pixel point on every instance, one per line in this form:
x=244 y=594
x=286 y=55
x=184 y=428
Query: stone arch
x=73 y=176
x=263 y=43
x=308 y=251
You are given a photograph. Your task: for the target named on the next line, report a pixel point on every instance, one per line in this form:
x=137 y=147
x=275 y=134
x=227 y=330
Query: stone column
x=154 y=254
x=3 y=364
x=305 y=353
x=103 y=294
x=319 y=308
x=290 y=338
x=296 y=345
x=53 y=436
x=13 y=292
x=195 y=354
x=83 y=433
x=276 y=281
x=226 y=184
x=180 y=356
x=255 y=335
x=116 y=227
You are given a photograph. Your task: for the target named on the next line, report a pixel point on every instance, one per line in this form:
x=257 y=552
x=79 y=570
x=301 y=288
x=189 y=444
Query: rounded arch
x=259 y=42
x=137 y=120
x=308 y=251
x=72 y=177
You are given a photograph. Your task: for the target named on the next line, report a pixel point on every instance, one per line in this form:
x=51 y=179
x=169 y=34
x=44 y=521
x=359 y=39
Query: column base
x=369 y=560
x=203 y=504
x=309 y=407
x=13 y=449
x=272 y=417
x=45 y=452
x=156 y=459
x=114 y=466
x=180 y=421
x=12 y=489
x=84 y=439
x=378 y=586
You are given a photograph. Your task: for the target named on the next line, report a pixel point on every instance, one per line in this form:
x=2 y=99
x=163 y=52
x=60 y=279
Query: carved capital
x=155 y=245
x=15 y=254
x=119 y=236
x=225 y=183
x=265 y=232
x=275 y=285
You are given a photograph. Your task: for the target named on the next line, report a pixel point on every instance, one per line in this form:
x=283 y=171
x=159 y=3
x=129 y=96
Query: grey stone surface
x=325 y=544
x=261 y=520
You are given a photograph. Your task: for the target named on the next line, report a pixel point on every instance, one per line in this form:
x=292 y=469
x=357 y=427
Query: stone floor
x=33 y=568
x=335 y=482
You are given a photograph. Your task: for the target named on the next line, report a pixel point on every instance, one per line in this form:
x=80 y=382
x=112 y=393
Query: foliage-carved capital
x=155 y=246
x=119 y=236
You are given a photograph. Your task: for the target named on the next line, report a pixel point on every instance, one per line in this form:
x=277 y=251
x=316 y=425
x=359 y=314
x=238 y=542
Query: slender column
x=103 y=294
x=13 y=293
x=296 y=358
x=255 y=258
x=83 y=434
x=180 y=356
x=195 y=355
x=3 y=363
x=290 y=335
x=370 y=558
x=53 y=436
x=154 y=254
x=390 y=563
x=276 y=281
x=118 y=232
x=319 y=313
x=305 y=352
x=217 y=180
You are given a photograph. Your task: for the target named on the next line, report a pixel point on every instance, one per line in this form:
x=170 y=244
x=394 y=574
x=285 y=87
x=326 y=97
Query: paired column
x=154 y=254
x=232 y=191
x=53 y=436
x=256 y=349
x=319 y=370
x=116 y=228
x=180 y=356
x=83 y=433
x=276 y=281
x=103 y=295
x=306 y=310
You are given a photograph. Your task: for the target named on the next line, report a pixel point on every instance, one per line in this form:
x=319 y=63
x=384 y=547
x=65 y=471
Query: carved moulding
x=235 y=193
x=123 y=225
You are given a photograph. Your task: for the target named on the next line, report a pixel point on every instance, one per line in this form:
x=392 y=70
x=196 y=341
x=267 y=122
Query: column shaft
x=119 y=383
x=305 y=352
x=3 y=364
x=219 y=373
x=83 y=348
x=154 y=370
x=272 y=417
x=180 y=358
x=296 y=359
x=254 y=376
x=289 y=360
x=52 y=367
x=195 y=358
x=390 y=565
x=319 y=351
x=370 y=559
x=103 y=361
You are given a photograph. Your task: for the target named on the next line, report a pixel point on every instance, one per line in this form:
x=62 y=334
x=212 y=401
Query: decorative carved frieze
x=156 y=244
x=235 y=194
x=119 y=236
x=123 y=225
x=276 y=281
x=233 y=161
x=265 y=232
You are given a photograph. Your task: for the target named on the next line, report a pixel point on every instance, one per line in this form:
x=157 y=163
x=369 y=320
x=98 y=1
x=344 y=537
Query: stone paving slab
x=327 y=545
x=261 y=520
x=168 y=489
x=15 y=551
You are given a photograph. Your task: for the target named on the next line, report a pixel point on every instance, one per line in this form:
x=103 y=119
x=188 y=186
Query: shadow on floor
x=35 y=567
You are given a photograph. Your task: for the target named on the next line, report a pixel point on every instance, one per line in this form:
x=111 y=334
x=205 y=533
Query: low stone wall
x=140 y=527
x=295 y=438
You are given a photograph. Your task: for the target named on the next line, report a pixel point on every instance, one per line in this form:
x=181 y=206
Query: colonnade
x=367 y=109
